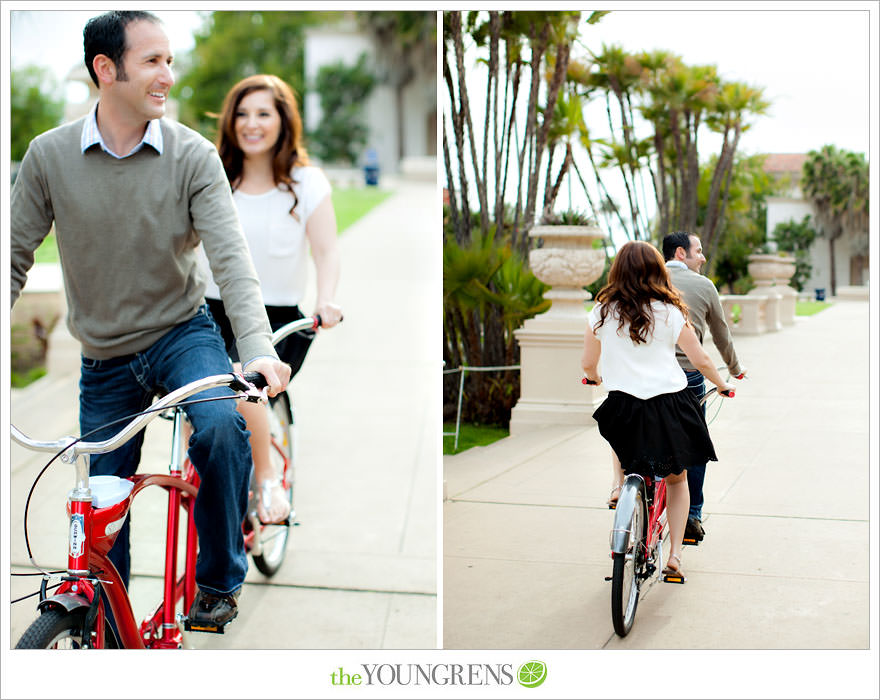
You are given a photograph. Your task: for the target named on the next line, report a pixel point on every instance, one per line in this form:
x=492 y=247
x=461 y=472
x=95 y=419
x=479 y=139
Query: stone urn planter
x=567 y=262
x=785 y=269
x=763 y=268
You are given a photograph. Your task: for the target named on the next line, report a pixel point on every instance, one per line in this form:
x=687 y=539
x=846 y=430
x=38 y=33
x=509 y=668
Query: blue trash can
x=371 y=167
x=820 y=294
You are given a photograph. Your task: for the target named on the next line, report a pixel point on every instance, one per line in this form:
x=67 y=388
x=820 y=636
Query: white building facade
x=416 y=141
x=851 y=262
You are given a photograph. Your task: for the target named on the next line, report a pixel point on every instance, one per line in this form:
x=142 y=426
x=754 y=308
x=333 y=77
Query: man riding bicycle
x=131 y=194
x=683 y=253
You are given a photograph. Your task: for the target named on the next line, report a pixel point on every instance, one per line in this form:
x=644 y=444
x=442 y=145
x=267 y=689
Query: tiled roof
x=785 y=162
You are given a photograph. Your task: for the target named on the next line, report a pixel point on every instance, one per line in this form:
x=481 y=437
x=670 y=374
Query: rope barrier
x=464 y=370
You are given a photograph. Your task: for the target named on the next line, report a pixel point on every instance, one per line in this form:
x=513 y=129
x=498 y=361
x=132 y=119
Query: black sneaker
x=693 y=530
x=211 y=612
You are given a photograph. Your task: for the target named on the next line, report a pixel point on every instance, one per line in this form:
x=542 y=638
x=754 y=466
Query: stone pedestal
x=551 y=345
x=764 y=270
x=785 y=271
x=752 y=313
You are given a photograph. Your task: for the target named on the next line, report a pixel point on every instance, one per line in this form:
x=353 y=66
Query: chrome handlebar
x=136 y=424
x=176 y=396
x=304 y=324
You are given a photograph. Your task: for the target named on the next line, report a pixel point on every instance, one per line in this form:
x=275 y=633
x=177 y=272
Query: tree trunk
x=711 y=220
x=833 y=262
x=457 y=227
x=494 y=43
x=455 y=27
x=714 y=236
x=458 y=132
x=538 y=45
x=509 y=130
x=596 y=210
x=550 y=200
x=679 y=191
x=491 y=114
x=661 y=190
x=563 y=53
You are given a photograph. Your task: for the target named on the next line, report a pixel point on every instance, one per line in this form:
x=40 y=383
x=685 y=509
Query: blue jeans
x=696 y=474
x=219 y=448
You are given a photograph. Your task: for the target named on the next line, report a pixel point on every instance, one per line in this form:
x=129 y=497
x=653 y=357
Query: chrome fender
x=626 y=502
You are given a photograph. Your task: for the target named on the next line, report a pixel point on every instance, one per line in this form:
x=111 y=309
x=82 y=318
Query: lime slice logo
x=532 y=673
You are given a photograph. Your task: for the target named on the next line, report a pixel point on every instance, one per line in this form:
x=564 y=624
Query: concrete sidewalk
x=785 y=561
x=360 y=571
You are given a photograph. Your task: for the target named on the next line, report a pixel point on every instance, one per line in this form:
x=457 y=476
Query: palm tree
x=837 y=183
x=735 y=103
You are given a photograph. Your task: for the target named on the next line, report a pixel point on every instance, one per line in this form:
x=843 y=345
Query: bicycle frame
x=93 y=530
x=653 y=495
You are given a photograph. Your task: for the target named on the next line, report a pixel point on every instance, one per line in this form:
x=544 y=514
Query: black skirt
x=291 y=350
x=659 y=436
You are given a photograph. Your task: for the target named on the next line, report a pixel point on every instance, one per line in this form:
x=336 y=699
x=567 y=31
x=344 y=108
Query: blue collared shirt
x=91 y=136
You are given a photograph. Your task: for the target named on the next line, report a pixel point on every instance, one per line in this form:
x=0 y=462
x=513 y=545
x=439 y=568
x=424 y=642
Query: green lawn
x=470 y=435
x=19 y=380
x=808 y=308
x=48 y=251
x=352 y=203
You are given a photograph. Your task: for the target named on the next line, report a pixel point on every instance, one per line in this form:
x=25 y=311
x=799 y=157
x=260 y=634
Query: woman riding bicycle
x=652 y=422
x=282 y=201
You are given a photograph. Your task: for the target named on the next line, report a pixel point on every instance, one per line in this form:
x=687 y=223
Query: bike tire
x=60 y=629
x=274 y=538
x=626 y=574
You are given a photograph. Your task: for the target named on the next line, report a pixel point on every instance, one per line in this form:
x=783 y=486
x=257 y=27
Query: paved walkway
x=785 y=561
x=360 y=571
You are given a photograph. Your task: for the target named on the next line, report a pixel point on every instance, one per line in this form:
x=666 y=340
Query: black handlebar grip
x=585 y=380
x=257 y=379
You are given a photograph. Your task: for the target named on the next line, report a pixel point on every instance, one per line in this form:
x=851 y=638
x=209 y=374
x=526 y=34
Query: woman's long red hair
x=637 y=277
x=289 y=150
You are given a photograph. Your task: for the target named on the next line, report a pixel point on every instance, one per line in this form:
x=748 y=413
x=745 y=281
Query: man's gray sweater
x=126 y=231
x=704 y=309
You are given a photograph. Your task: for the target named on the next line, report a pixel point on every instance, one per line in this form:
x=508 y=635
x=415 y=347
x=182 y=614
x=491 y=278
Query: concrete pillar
x=551 y=344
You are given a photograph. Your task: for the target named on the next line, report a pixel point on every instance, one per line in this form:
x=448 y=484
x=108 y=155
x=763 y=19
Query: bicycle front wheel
x=59 y=629
x=625 y=577
x=273 y=538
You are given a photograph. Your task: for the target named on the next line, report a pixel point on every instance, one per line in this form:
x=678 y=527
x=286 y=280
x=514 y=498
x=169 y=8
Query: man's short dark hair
x=105 y=34
x=674 y=241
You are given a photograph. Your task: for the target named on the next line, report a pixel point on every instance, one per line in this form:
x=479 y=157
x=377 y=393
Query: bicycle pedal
x=693 y=541
x=612 y=506
x=673 y=578
x=189 y=626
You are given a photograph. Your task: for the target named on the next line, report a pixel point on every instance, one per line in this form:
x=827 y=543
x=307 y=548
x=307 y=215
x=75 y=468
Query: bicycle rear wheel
x=626 y=575
x=273 y=538
x=59 y=629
